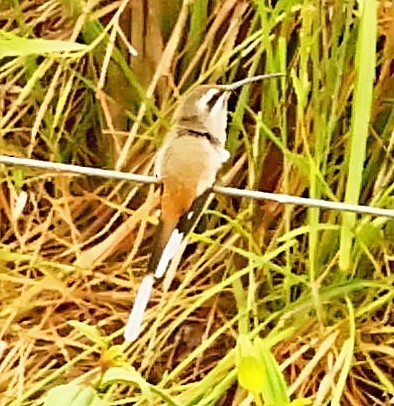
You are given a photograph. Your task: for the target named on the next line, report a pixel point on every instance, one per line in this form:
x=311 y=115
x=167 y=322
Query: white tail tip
x=134 y=322
x=169 y=252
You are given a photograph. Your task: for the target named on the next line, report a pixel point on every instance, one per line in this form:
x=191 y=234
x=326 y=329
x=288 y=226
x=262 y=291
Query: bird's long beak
x=239 y=83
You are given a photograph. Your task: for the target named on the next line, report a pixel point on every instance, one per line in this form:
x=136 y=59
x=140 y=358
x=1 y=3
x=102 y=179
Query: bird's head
x=205 y=108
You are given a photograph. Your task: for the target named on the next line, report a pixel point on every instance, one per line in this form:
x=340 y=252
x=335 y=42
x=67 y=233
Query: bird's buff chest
x=189 y=161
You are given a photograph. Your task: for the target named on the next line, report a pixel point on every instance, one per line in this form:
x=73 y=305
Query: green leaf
x=259 y=373
x=251 y=374
x=13 y=45
x=90 y=332
x=127 y=375
x=250 y=371
x=73 y=394
x=361 y=113
x=275 y=388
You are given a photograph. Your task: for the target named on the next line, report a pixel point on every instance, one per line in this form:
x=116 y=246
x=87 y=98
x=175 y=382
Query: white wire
x=229 y=191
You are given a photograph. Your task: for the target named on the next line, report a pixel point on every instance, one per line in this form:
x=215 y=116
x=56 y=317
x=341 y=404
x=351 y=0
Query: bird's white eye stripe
x=218 y=106
x=204 y=100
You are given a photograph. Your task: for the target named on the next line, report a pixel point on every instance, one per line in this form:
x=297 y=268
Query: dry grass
x=75 y=249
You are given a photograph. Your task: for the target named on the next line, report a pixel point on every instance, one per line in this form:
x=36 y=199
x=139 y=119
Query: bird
x=186 y=166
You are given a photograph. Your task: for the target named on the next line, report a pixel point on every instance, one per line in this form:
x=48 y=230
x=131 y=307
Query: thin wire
x=229 y=191
x=304 y=201
x=79 y=170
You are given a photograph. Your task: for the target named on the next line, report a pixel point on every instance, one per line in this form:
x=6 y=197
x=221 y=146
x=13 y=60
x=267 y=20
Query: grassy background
x=317 y=285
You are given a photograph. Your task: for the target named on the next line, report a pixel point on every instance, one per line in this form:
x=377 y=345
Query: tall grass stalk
x=365 y=65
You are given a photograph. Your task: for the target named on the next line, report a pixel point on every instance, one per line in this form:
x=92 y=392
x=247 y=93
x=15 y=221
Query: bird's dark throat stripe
x=195 y=133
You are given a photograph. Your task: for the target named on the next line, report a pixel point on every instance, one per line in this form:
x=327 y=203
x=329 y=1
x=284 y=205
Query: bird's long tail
x=167 y=243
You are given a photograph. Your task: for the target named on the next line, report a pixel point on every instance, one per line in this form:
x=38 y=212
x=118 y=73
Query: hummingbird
x=186 y=166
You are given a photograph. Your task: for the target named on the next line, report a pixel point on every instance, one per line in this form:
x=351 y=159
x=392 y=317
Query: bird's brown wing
x=179 y=228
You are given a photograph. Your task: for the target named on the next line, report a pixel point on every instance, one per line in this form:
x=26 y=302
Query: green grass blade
x=363 y=94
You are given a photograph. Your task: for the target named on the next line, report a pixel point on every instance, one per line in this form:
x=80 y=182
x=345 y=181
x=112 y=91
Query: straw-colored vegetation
x=315 y=285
